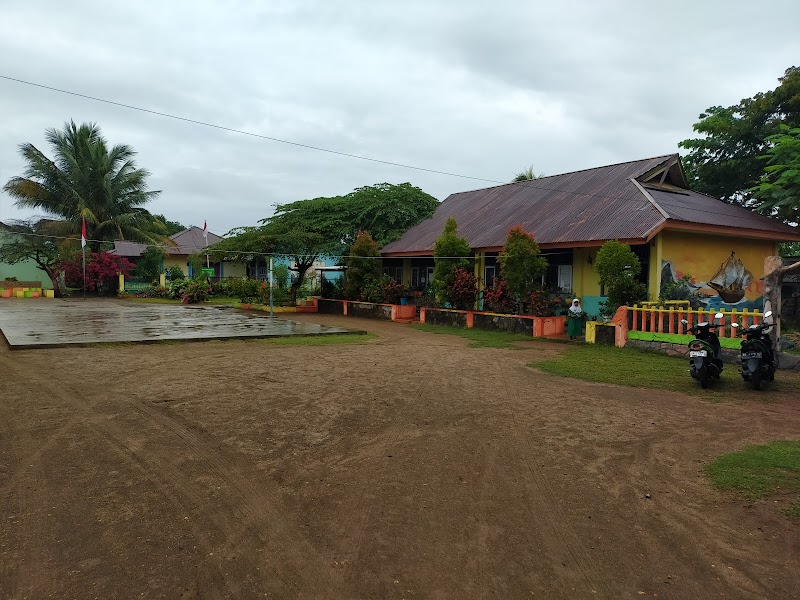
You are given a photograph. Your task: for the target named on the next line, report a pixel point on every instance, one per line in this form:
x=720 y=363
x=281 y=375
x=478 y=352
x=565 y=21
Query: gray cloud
x=478 y=88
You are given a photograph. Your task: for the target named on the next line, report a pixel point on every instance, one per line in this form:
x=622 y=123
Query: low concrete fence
x=535 y=326
x=24 y=289
x=369 y=310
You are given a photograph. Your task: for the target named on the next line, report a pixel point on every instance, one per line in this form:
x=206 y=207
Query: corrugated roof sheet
x=187 y=242
x=594 y=205
x=693 y=207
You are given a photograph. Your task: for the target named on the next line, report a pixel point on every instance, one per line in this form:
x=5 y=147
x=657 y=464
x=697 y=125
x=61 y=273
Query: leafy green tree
x=148 y=265
x=521 y=263
x=450 y=252
x=363 y=265
x=526 y=175
x=727 y=160
x=171 y=227
x=281 y=275
x=87 y=179
x=618 y=266
x=306 y=230
x=31 y=240
x=778 y=192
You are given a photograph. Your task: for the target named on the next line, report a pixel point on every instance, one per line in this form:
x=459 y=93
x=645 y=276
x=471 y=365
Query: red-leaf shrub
x=461 y=293
x=542 y=304
x=497 y=298
x=102 y=270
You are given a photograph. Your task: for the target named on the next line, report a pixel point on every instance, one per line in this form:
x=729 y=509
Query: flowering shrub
x=154 y=291
x=462 y=291
x=196 y=291
x=384 y=289
x=102 y=269
x=542 y=304
x=497 y=298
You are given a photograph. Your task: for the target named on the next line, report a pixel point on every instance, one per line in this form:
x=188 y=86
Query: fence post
x=722 y=329
x=660 y=320
x=671 y=319
x=652 y=319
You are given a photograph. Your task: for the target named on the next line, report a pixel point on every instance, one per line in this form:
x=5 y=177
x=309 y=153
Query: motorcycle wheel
x=702 y=377
x=755 y=380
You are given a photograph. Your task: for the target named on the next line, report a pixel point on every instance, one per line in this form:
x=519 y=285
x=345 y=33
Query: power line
x=241 y=131
x=534 y=184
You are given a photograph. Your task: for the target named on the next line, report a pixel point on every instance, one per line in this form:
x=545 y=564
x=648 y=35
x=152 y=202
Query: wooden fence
x=667 y=318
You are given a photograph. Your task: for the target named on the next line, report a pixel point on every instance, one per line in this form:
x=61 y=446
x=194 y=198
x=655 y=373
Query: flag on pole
x=205 y=231
x=83 y=233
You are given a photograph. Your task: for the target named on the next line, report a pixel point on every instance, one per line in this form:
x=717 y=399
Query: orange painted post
x=671 y=320
x=470 y=319
x=660 y=320
x=422 y=314
x=722 y=329
x=345 y=308
x=652 y=320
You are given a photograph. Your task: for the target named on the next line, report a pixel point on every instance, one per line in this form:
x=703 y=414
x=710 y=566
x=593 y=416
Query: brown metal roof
x=692 y=207
x=582 y=207
x=187 y=242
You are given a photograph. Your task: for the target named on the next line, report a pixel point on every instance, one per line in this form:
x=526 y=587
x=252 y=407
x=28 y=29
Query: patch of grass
x=637 y=368
x=683 y=340
x=759 y=471
x=480 y=338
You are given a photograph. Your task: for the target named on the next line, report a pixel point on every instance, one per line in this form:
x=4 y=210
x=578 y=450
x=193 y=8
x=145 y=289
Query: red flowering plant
x=197 y=291
x=102 y=270
x=462 y=291
x=497 y=298
x=542 y=304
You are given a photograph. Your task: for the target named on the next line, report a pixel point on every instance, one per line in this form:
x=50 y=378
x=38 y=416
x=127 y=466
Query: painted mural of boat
x=731 y=280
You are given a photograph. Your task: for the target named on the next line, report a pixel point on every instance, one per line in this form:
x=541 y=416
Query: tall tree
x=363 y=265
x=31 y=240
x=727 y=160
x=306 y=230
x=778 y=191
x=451 y=253
x=521 y=263
x=86 y=179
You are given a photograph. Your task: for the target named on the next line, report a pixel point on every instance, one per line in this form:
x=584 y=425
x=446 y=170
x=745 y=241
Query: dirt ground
x=410 y=466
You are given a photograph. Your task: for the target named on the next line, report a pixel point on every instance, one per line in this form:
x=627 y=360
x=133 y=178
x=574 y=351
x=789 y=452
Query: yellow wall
x=179 y=261
x=700 y=255
x=407 y=272
x=584 y=278
x=234 y=269
x=654 y=274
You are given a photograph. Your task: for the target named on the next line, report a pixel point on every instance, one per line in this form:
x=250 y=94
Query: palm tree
x=526 y=175
x=86 y=180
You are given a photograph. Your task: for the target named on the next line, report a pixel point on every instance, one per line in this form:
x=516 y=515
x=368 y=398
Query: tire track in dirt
x=564 y=543
x=249 y=518
x=22 y=562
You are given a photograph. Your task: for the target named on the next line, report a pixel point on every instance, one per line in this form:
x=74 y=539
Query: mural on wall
x=730 y=285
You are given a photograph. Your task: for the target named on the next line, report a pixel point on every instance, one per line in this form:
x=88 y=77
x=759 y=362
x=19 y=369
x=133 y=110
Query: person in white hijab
x=575 y=320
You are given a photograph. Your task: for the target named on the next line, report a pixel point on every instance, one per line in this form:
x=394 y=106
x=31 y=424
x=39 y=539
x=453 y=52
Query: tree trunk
x=54 y=279
x=302 y=268
x=774 y=273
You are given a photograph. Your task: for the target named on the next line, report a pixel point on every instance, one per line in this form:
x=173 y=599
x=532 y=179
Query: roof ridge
x=522 y=183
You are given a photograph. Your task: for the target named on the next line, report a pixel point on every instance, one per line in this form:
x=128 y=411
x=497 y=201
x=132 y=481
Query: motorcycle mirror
x=719 y=316
x=684 y=321
x=768 y=314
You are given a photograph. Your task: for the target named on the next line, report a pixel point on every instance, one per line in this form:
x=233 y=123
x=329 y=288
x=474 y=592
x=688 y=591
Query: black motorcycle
x=705 y=363
x=758 y=359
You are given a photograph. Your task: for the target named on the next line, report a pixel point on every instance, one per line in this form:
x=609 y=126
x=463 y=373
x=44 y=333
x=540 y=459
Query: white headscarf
x=576 y=306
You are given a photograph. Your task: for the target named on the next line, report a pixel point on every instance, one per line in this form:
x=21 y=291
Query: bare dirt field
x=409 y=466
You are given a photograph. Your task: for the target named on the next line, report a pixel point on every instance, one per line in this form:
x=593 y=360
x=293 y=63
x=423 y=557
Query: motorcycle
x=705 y=363
x=758 y=360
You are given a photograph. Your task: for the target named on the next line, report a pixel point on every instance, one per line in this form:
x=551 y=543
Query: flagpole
x=83 y=251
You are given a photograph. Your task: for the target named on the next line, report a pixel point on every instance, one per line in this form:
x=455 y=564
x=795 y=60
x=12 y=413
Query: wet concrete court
x=37 y=323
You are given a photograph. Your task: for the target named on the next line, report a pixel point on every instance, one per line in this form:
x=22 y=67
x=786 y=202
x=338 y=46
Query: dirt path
x=407 y=467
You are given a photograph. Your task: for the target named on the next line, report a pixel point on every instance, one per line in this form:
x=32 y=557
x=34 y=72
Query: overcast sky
x=477 y=88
